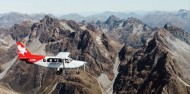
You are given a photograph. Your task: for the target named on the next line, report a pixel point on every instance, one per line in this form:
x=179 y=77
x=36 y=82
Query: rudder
x=23 y=53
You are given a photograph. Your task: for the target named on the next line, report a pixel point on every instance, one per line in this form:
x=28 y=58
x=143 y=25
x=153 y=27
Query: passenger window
x=44 y=60
x=48 y=60
x=54 y=60
x=60 y=60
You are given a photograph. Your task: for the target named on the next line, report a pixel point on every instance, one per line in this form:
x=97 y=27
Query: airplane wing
x=63 y=54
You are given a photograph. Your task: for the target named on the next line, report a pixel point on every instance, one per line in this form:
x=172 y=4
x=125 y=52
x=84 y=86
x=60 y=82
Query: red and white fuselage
x=60 y=61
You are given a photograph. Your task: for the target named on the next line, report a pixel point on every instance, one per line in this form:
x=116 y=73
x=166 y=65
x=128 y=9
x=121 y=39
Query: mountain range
x=124 y=55
x=179 y=18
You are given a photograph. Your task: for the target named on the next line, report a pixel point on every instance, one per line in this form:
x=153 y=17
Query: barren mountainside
x=160 y=67
x=124 y=56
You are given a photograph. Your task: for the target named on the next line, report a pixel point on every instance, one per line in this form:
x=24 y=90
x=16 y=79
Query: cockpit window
x=70 y=60
x=66 y=61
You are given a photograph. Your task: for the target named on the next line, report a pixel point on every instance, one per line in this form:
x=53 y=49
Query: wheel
x=58 y=72
x=77 y=72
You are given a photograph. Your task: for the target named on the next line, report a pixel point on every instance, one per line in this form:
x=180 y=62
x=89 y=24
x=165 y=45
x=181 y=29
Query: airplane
x=61 y=61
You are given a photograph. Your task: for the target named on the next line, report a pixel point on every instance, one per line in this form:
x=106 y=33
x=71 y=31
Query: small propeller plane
x=61 y=61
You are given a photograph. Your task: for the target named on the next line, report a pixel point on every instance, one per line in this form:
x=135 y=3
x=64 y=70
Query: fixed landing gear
x=59 y=71
x=77 y=72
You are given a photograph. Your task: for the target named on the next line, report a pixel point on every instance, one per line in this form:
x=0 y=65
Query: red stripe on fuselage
x=32 y=58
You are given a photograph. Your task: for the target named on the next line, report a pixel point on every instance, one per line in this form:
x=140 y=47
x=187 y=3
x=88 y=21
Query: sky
x=85 y=7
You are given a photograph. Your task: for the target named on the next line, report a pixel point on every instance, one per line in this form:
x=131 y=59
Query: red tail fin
x=23 y=53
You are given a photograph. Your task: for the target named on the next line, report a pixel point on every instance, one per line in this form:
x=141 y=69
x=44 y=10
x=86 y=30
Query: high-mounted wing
x=63 y=54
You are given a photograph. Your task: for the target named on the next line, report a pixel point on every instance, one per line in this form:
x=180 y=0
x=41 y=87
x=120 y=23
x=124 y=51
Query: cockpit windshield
x=68 y=60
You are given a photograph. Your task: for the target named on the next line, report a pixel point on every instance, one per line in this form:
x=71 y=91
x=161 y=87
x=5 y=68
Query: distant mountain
x=9 y=19
x=104 y=16
x=130 y=31
x=184 y=14
x=179 y=18
x=99 y=17
x=12 y=18
x=1 y=15
x=158 y=18
x=74 y=16
x=107 y=26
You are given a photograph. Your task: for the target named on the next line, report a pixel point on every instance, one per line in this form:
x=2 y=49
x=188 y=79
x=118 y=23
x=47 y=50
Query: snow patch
x=138 y=29
x=98 y=40
x=65 y=26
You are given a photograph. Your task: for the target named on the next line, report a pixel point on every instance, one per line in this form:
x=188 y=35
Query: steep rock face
x=112 y=22
x=134 y=32
x=20 y=31
x=126 y=53
x=60 y=35
x=7 y=54
x=161 y=67
x=178 y=33
x=131 y=31
x=109 y=25
x=7 y=49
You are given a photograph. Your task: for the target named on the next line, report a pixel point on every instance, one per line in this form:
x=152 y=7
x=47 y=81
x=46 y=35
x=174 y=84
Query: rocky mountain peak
x=132 y=21
x=184 y=14
x=183 y=11
x=111 y=20
x=49 y=21
x=178 y=32
x=160 y=65
x=170 y=26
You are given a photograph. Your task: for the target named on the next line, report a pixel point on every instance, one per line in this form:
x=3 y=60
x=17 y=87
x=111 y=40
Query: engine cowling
x=59 y=71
